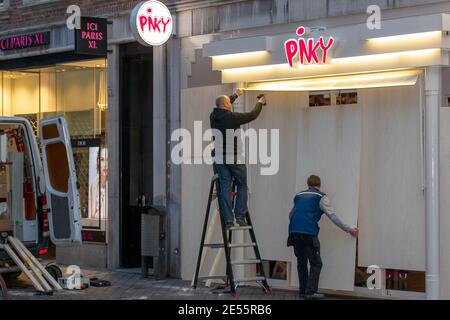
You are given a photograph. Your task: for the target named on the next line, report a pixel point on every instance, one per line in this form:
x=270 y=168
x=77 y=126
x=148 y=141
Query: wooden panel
x=392 y=204
x=196 y=105
x=445 y=203
x=329 y=145
x=270 y=199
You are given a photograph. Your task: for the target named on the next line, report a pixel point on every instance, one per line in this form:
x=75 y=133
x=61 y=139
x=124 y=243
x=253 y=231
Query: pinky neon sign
x=308 y=50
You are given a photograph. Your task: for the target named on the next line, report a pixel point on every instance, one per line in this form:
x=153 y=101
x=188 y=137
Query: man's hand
x=239 y=92
x=262 y=100
x=354 y=232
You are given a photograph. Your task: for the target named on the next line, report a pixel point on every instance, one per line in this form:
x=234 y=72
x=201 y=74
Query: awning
x=357 y=81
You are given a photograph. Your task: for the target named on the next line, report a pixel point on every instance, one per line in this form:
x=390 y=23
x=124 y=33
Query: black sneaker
x=242 y=222
x=314 y=296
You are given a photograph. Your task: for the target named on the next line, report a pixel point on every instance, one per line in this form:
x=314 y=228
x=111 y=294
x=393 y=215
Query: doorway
x=136 y=146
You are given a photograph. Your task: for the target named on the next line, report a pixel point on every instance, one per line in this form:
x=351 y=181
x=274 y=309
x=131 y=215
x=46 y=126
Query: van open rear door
x=61 y=181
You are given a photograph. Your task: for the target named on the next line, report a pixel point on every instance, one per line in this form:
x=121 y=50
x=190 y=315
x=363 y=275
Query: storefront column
x=159 y=125
x=113 y=139
x=173 y=172
x=432 y=93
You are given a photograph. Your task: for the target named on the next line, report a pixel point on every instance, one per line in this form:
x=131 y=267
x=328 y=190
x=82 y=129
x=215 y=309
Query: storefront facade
x=108 y=100
x=370 y=121
x=49 y=79
x=375 y=103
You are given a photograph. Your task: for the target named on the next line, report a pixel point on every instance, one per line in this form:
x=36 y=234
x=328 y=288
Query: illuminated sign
x=308 y=51
x=92 y=37
x=151 y=23
x=25 y=41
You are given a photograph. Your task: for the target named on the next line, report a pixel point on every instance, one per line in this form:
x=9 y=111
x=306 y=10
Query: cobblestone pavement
x=126 y=285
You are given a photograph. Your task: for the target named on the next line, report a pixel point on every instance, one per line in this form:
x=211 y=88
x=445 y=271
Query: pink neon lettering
x=307 y=50
x=291 y=48
x=325 y=48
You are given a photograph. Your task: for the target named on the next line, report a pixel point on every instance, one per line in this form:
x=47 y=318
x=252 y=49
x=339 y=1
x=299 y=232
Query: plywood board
x=270 y=199
x=392 y=204
x=196 y=105
x=444 y=222
x=329 y=145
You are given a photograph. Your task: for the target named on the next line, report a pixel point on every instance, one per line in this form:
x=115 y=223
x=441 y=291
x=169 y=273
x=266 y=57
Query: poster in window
x=97 y=183
x=347 y=97
x=320 y=99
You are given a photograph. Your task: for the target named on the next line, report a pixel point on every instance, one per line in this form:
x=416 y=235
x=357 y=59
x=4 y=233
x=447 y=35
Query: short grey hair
x=220 y=100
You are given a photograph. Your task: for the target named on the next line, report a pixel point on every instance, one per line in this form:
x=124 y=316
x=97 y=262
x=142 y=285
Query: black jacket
x=223 y=119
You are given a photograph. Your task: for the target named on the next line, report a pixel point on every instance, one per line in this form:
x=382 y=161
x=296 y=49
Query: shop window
x=274 y=269
x=447 y=102
x=333 y=98
x=346 y=97
x=319 y=99
x=78 y=91
x=405 y=280
x=398 y=280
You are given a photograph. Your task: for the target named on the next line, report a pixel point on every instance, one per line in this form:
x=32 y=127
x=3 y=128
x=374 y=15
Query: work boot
x=242 y=222
x=314 y=296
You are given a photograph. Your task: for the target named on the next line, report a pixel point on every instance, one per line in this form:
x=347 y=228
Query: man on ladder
x=228 y=165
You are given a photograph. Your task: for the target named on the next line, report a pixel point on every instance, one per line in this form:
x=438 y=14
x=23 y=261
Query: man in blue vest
x=309 y=205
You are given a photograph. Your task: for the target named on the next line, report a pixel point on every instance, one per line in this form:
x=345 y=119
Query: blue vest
x=306 y=213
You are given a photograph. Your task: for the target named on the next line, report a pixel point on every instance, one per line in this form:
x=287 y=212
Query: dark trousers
x=226 y=174
x=307 y=249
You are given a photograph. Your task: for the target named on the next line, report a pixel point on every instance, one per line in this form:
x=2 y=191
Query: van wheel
x=54 y=271
x=3 y=289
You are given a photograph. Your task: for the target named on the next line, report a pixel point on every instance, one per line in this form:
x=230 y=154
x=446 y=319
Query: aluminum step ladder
x=227 y=246
x=30 y=266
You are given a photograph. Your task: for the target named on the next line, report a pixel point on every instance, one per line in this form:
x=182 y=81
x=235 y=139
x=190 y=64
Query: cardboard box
x=6 y=225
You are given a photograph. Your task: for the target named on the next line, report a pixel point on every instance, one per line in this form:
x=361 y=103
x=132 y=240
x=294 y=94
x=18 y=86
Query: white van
x=39 y=199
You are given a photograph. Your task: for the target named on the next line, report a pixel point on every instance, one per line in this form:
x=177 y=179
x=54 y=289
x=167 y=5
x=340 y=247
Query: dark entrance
x=136 y=146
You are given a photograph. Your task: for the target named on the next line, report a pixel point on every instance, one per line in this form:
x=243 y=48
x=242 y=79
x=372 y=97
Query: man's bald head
x=223 y=102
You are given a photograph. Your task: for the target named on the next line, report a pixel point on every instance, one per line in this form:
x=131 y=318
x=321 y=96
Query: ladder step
x=213 y=278
x=239 y=262
x=242 y=245
x=253 y=279
x=241 y=228
x=214 y=245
